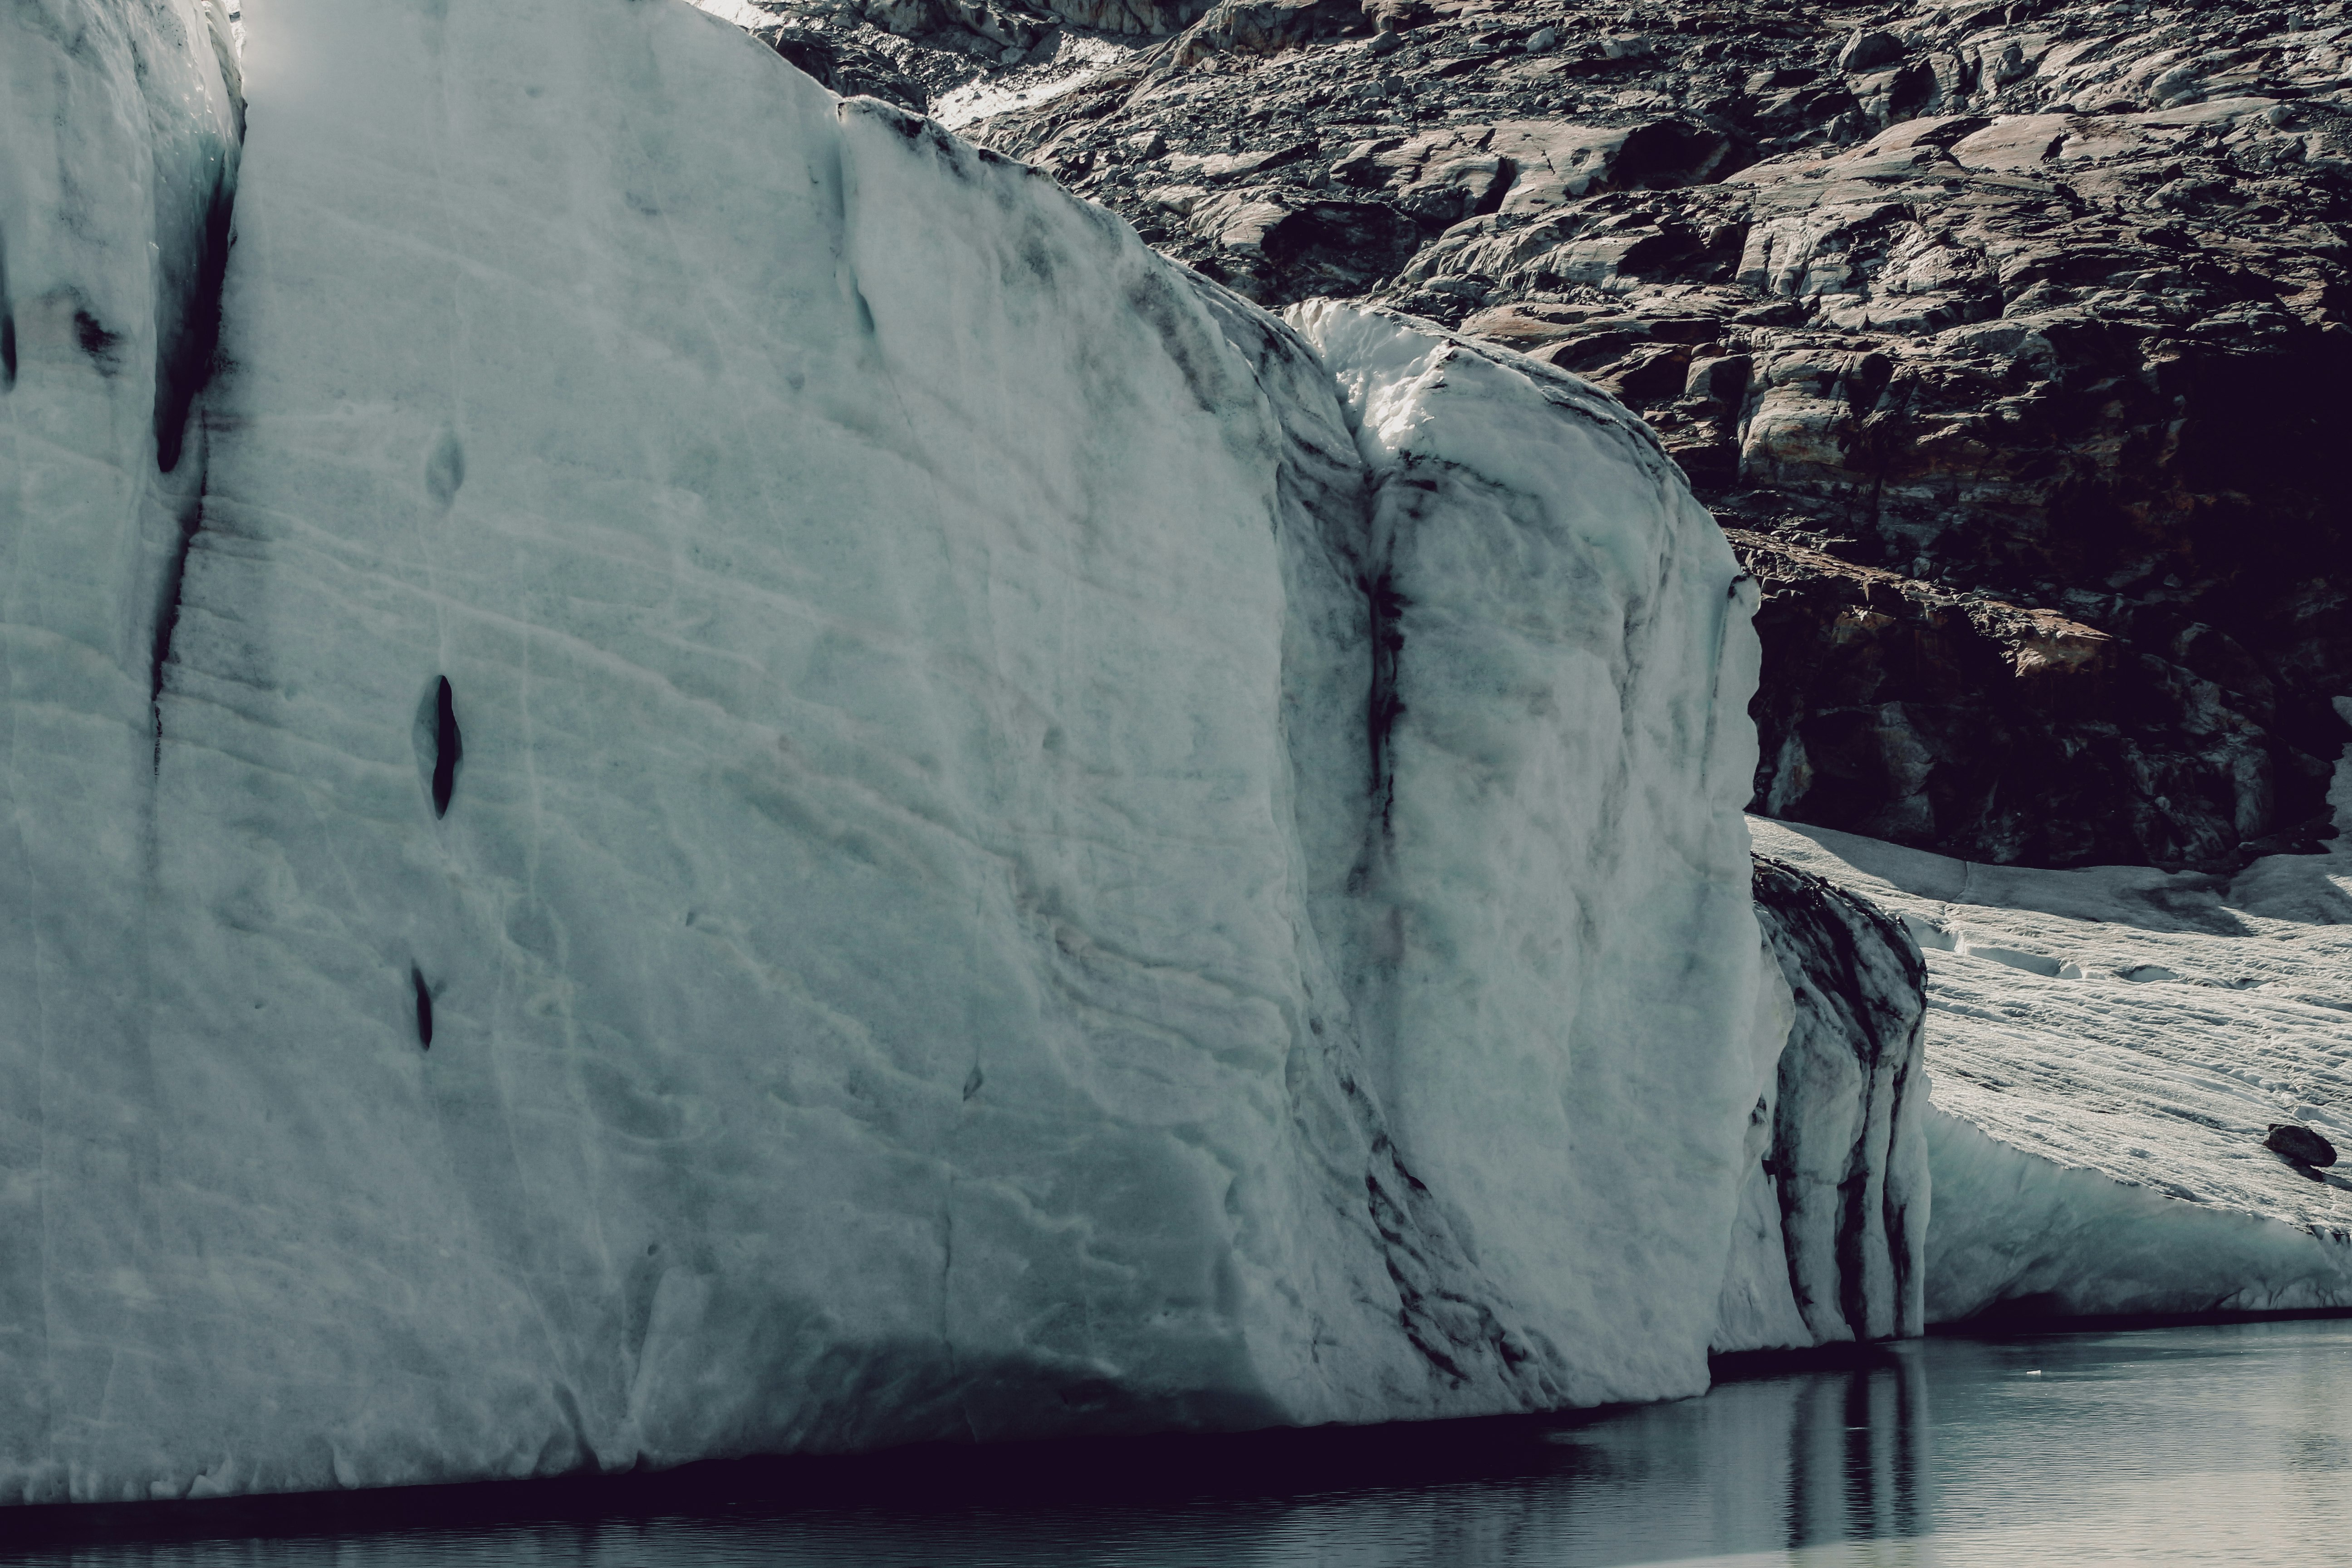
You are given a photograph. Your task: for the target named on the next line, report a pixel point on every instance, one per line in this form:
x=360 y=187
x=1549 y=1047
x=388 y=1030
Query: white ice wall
x=2018 y=1234
x=1556 y=958
x=925 y=940
x=117 y=138
x=1831 y=1239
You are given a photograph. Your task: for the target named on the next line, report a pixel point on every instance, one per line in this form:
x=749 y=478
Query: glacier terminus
x=692 y=771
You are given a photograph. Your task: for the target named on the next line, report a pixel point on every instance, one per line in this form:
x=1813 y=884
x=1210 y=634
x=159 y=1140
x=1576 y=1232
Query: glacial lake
x=2185 y=1444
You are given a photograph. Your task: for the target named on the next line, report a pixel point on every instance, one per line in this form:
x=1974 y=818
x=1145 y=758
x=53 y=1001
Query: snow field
x=2108 y=1048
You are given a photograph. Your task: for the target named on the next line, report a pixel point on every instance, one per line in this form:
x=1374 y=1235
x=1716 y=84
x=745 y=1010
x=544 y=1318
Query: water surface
x=2200 y=1445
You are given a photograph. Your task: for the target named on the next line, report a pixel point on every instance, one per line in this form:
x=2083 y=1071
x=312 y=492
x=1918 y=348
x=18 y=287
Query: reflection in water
x=2170 y=1446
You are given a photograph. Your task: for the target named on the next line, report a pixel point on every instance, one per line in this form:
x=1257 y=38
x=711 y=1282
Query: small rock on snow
x=2300 y=1144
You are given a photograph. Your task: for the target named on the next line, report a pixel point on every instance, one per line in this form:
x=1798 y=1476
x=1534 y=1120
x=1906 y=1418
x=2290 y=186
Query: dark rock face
x=2300 y=1144
x=2009 y=341
x=845 y=63
x=2000 y=730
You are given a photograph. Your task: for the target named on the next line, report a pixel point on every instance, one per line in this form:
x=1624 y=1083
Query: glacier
x=1831 y=1241
x=745 y=783
x=2108 y=1048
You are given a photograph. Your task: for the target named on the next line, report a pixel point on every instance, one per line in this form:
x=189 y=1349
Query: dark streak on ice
x=444 y=470
x=448 y=746
x=167 y=616
x=1446 y=1325
x=92 y=338
x=187 y=341
x=1878 y=997
x=1384 y=706
x=1455 y=1317
x=8 y=323
x=185 y=347
x=1155 y=299
x=424 y=1007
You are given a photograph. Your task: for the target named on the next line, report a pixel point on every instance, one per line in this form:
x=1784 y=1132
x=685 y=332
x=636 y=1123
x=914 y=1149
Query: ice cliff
x=1831 y=1239
x=750 y=784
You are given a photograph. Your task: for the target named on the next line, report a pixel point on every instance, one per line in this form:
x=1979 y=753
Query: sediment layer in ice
x=1831 y=1236
x=795 y=798
x=2108 y=1048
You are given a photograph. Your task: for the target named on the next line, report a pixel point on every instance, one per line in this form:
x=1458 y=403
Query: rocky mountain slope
x=2006 y=341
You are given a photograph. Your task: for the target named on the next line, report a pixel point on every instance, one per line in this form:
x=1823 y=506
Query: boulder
x=2300 y=1144
x=1266 y=26
x=1869 y=49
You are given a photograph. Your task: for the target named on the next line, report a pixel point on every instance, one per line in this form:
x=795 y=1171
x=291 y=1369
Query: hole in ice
x=444 y=470
x=424 y=1007
x=438 y=737
x=95 y=341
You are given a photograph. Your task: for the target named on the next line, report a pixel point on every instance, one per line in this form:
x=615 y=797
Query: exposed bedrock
x=2010 y=340
x=793 y=798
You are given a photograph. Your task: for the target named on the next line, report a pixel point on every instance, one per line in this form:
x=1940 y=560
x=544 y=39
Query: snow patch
x=1074 y=60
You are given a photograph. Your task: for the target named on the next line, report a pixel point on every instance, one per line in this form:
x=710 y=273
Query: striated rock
x=1867 y=50
x=1264 y=27
x=1156 y=18
x=2012 y=734
x=1010 y=25
x=1001 y=25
